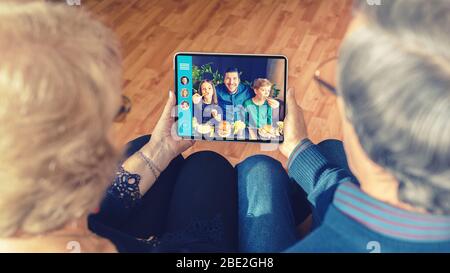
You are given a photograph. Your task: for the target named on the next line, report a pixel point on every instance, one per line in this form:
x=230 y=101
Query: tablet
x=230 y=97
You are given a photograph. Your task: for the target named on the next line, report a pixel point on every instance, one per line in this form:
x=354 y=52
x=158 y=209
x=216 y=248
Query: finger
x=186 y=144
x=290 y=98
x=169 y=105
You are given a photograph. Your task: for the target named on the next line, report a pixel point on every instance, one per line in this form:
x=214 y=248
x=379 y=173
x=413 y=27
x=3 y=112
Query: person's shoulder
x=220 y=86
x=245 y=87
x=248 y=102
x=101 y=245
x=221 y=90
x=321 y=240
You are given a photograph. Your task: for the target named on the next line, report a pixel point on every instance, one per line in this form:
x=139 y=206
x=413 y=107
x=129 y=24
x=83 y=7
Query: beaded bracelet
x=155 y=170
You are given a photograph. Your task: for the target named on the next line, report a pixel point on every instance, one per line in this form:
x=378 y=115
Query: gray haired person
x=386 y=187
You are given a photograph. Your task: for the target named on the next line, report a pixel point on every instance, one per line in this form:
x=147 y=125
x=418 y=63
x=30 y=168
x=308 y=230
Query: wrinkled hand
x=163 y=146
x=273 y=103
x=294 y=125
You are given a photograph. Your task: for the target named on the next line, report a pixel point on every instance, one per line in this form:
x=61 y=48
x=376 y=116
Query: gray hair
x=395 y=83
x=60 y=85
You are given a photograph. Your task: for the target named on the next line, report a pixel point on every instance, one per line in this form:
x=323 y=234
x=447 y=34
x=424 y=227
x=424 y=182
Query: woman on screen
x=205 y=101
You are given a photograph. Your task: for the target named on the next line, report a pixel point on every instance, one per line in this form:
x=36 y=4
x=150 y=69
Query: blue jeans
x=271 y=205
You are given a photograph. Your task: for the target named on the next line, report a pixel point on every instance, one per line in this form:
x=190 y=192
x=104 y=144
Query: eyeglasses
x=125 y=108
x=325 y=76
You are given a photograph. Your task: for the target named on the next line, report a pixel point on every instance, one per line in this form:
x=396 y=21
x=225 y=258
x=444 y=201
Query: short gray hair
x=395 y=82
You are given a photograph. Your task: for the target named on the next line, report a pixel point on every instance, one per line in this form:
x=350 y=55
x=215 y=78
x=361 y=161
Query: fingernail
x=170 y=94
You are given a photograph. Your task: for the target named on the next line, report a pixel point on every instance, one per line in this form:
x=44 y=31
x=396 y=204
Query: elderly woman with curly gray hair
x=63 y=186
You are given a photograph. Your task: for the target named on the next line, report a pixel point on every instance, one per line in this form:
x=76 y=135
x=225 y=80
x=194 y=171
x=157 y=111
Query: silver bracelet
x=151 y=165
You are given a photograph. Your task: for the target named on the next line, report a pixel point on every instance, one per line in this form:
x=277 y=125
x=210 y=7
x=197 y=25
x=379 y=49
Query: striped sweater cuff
x=303 y=145
x=306 y=162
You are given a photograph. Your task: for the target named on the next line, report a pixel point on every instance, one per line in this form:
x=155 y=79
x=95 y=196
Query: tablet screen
x=231 y=97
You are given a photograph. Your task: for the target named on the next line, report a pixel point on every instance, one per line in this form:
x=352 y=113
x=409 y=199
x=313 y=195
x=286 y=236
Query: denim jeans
x=271 y=205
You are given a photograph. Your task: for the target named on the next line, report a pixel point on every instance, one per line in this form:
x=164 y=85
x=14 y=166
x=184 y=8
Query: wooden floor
x=151 y=31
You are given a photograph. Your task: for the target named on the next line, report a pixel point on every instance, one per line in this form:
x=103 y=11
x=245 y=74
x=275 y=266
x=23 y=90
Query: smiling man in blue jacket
x=386 y=188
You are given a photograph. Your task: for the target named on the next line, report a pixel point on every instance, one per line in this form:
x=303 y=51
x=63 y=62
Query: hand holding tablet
x=163 y=147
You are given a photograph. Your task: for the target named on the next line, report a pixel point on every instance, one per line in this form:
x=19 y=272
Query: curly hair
x=60 y=81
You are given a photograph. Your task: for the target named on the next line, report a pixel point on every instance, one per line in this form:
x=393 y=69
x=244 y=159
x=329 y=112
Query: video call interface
x=231 y=97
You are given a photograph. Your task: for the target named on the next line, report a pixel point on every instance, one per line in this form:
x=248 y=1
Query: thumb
x=169 y=105
x=290 y=99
